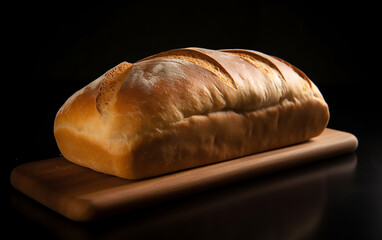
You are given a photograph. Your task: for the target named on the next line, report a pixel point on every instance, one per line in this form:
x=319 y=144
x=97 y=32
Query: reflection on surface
x=284 y=205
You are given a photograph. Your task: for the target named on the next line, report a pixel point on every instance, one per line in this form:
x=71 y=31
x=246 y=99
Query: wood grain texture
x=82 y=194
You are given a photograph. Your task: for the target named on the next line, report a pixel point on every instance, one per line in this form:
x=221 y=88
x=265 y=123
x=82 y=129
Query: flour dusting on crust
x=146 y=75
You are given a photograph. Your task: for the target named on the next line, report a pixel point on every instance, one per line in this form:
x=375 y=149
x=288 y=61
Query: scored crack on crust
x=110 y=84
x=185 y=108
x=257 y=59
x=199 y=58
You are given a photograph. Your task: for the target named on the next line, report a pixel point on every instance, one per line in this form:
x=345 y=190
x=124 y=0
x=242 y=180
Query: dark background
x=54 y=49
x=59 y=48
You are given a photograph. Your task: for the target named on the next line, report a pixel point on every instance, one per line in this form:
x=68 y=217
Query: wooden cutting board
x=82 y=194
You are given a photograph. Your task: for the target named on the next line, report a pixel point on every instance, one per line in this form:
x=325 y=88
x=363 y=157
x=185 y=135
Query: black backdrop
x=58 y=48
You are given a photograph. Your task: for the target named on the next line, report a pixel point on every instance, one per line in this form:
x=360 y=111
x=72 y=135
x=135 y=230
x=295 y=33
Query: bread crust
x=186 y=108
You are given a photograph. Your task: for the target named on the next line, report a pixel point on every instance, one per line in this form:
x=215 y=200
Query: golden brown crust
x=185 y=108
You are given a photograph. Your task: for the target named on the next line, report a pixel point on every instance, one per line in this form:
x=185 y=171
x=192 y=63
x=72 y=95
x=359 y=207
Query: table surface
x=338 y=198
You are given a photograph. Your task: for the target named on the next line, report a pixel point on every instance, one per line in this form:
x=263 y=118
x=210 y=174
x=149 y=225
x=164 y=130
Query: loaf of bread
x=185 y=108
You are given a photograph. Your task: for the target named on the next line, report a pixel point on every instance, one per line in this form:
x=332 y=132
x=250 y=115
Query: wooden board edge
x=76 y=209
x=84 y=209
